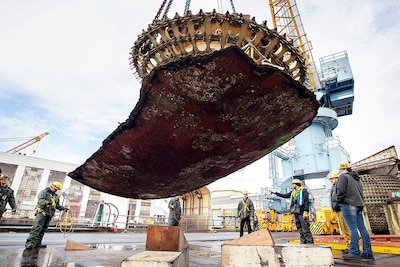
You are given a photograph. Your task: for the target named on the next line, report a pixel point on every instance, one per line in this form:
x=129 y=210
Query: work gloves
x=305 y=215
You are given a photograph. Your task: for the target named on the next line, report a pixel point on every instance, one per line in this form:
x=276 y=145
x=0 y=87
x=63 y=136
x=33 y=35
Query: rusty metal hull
x=198 y=120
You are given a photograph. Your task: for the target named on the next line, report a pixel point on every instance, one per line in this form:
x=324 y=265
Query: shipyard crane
x=334 y=83
x=286 y=19
x=27 y=144
x=315 y=152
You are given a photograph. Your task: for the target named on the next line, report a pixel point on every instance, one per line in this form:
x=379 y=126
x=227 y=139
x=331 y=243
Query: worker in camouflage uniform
x=6 y=195
x=46 y=207
x=245 y=212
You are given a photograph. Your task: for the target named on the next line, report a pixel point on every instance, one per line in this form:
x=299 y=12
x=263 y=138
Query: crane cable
x=164 y=3
x=233 y=7
x=167 y=9
x=220 y=8
x=159 y=11
x=187 y=6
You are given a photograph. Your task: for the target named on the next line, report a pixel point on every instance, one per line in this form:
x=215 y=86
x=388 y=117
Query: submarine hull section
x=198 y=120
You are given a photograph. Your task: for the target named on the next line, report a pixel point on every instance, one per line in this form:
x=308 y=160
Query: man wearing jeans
x=350 y=198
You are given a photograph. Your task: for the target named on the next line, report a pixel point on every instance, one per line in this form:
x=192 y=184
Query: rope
x=66 y=224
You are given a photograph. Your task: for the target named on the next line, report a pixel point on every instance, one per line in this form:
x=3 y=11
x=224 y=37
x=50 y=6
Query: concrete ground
x=109 y=249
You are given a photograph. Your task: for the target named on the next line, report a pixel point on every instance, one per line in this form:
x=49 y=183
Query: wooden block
x=165 y=238
x=258 y=238
x=72 y=245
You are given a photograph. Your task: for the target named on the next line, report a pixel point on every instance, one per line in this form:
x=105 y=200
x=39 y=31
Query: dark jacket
x=6 y=196
x=174 y=209
x=349 y=190
x=334 y=204
x=303 y=199
x=245 y=209
x=48 y=202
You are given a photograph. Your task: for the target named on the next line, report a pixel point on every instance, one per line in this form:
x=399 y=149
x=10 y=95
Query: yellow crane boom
x=27 y=143
x=286 y=19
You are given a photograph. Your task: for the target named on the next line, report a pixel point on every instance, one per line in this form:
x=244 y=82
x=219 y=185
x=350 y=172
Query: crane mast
x=27 y=143
x=286 y=19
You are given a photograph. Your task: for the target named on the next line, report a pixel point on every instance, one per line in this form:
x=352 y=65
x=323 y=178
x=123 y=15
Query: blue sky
x=64 y=68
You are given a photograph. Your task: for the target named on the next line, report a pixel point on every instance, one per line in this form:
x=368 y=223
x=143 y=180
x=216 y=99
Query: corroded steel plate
x=198 y=120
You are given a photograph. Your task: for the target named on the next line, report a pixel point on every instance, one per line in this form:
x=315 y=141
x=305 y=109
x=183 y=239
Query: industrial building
x=31 y=174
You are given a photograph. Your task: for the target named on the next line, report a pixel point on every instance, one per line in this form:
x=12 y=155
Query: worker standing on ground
x=174 y=211
x=46 y=207
x=299 y=207
x=6 y=195
x=245 y=212
x=350 y=198
x=344 y=230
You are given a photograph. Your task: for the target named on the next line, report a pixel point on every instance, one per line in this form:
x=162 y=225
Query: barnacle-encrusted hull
x=198 y=120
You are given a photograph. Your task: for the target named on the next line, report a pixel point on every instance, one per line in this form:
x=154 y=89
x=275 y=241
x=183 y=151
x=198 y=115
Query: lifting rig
x=211 y=84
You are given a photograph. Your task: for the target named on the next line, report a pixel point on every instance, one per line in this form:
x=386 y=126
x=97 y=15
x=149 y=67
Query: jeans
x=354 y=220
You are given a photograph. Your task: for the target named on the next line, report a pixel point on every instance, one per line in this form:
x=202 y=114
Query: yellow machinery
x=275 y=222
x=325 y=222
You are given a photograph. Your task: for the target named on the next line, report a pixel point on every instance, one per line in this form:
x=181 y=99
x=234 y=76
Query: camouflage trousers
x=39 y=227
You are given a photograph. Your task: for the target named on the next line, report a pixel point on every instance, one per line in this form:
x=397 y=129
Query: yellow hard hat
x=245 y=192
x=333 y=175
x=296 y=181
x=344 y=165
x=56 y=185
x=4 y=177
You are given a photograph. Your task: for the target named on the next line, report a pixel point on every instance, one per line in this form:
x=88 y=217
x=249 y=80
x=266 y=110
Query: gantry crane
x=27 y=143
